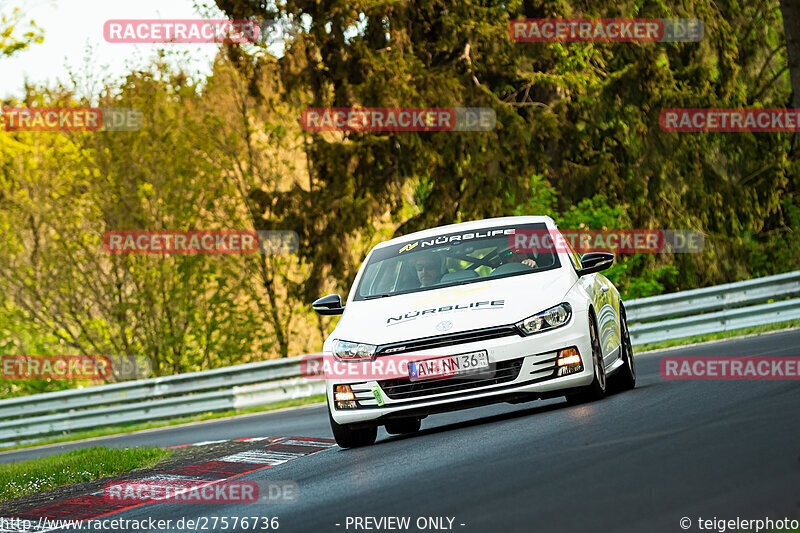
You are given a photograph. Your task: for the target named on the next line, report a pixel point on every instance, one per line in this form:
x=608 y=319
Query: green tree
x=14 y=38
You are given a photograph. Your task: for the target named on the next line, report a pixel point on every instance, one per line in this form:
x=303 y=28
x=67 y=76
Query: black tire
x=625 y=377
x=350 y=437
x=597 y=388
x=402 y=426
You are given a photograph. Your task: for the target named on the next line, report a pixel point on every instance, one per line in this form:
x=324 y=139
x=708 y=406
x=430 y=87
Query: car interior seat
x=544 y=259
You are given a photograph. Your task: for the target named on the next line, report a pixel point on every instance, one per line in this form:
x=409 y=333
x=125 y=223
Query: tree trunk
x=790 y=9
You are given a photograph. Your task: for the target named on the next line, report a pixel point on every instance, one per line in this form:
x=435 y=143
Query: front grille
x=449 y=339
x=399 y=389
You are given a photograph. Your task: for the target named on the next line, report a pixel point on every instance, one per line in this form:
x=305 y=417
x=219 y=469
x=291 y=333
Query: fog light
x=344 y=397
x=569 y=362
x=344 y=393
x=569 y=357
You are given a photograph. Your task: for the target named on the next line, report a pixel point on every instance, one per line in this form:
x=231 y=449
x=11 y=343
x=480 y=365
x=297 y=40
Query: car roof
x=467 y=226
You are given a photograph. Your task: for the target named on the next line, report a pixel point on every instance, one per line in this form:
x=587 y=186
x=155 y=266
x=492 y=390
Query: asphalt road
x=636 y=461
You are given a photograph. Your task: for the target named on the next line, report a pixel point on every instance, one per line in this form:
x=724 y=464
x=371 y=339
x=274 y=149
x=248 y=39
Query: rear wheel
x=402 y=426
x=349 y=437
x=625 y=377
x=597 y=388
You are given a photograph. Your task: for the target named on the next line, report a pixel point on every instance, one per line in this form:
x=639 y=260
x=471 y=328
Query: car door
x=606 y=304
x=605 y=300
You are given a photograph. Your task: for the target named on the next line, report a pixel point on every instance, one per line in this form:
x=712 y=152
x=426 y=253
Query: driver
x=429 y=268
x=516 y=256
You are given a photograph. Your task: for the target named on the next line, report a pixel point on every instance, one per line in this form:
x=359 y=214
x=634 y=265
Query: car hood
x=451 y=309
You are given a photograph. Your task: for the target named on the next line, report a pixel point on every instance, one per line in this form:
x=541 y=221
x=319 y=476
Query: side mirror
x=595 y=262
x=329 y=305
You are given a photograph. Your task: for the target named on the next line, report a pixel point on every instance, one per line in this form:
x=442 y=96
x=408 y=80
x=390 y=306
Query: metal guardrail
x=697 y=301
x=179 y=384
x=714 y=309
x=30 y=418
x=726 y=320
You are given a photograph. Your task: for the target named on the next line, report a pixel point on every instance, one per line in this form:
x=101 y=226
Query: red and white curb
x=279 y=450
x=206 y=442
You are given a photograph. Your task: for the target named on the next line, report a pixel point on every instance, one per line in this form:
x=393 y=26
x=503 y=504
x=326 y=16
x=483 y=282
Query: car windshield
x=451 y=259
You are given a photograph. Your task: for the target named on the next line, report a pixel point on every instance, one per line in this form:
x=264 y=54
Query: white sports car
x=465 y=315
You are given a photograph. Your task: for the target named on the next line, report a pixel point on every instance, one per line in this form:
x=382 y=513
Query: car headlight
x=353 y=351
x=555 y=317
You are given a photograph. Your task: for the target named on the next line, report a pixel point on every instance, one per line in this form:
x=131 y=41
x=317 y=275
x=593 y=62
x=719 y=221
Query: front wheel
x=625 y=377
x=350 y=437
x=597 y=388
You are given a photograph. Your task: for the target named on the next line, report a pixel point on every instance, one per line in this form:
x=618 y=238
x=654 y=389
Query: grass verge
x=753 y=330
x=77 y=466
x=128 y=428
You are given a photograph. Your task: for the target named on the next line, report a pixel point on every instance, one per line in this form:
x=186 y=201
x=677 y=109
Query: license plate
x=447 y=367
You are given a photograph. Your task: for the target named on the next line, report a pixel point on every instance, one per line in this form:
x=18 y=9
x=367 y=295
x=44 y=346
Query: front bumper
x=525 y=370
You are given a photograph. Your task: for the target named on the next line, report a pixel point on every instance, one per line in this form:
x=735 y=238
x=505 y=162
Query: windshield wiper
x=376 y=296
